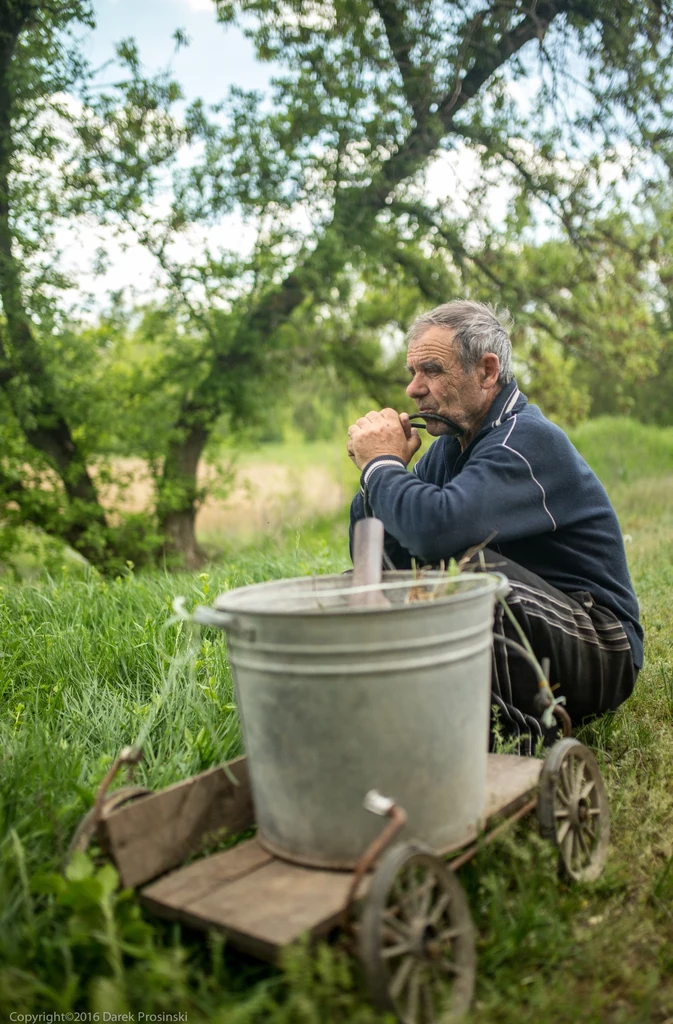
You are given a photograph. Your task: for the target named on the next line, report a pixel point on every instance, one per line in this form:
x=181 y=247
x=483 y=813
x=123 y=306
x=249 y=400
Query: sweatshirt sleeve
x=361 y=509
x=424 y=468
x=496 y=493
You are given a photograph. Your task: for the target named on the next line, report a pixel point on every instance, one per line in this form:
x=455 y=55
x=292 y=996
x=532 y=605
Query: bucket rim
x=494 y=583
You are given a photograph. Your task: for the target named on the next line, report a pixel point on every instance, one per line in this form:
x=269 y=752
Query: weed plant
x=88 y=665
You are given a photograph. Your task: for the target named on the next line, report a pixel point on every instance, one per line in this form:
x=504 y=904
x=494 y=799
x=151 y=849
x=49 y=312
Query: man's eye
x=426 y=371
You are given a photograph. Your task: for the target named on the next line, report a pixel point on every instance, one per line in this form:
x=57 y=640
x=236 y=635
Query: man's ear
x=489 y=371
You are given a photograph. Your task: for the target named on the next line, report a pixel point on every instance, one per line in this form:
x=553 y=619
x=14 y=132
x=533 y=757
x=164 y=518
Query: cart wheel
x=87 y=827
x=573 y=809
x=417 y=939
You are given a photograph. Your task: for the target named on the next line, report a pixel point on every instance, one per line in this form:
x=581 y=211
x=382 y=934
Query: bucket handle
x=205 y=616
x=503 y=588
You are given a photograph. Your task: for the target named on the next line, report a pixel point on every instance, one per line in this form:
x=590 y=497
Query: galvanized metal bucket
x=336 y=700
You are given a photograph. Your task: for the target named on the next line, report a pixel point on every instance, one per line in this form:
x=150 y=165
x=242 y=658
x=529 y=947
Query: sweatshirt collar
x=506 y=403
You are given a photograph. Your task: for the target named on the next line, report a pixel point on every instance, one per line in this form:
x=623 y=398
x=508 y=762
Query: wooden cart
x=403 y=903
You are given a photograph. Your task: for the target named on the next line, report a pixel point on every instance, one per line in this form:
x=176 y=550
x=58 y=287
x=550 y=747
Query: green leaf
x=108 y=879
x=80 y=866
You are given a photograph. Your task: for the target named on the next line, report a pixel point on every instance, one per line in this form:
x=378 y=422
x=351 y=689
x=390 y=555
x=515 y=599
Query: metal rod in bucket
x=368 y=562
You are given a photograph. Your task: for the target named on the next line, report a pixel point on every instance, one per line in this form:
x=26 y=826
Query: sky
x=216 y=58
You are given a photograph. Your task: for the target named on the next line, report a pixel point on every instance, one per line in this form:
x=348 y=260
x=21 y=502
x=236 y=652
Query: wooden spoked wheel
x=87 y=827
x=416 y=938
x=573 y=809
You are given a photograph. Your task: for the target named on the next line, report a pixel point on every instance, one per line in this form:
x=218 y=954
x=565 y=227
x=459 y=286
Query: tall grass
x=624 y=451
x=87 y=665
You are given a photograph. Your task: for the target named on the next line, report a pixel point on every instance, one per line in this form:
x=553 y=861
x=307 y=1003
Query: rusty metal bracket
x=130 y=756
x=397 y=816
x=563 y=718
x=488 y=837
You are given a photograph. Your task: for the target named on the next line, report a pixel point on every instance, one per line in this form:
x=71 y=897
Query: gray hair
x=478 y=328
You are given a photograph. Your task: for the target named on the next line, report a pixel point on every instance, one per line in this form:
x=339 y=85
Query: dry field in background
x=265 y=496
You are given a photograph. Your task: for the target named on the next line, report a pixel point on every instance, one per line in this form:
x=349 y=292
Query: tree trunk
x=40 y=417
x=179 y=493
x=180 y=538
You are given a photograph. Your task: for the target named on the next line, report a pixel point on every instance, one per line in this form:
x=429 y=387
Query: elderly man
x=501 y=473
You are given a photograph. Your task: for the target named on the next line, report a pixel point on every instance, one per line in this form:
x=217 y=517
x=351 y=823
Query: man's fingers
x=390 y=414
x=382 y=433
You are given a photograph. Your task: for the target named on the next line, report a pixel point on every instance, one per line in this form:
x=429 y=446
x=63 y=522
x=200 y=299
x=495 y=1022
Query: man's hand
x=382 y=433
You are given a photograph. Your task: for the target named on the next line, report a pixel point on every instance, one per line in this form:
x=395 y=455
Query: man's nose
x=416 y=388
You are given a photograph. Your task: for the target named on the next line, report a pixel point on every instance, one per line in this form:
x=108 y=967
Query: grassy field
x=88 y=665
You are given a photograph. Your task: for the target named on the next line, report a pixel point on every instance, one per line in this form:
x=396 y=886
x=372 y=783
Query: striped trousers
x=590 y=656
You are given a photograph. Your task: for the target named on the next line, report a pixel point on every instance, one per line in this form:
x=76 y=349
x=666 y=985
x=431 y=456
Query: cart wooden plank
x=156 y=833
x=197 y=880
x=510 y=781
x=260 y=902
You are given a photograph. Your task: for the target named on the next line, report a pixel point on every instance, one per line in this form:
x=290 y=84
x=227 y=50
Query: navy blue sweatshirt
x=520 y=479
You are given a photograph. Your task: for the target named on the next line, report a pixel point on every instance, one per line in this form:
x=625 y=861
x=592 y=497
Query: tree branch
x=415 y=81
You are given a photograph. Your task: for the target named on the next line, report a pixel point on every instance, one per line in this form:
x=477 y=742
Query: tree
x=375 y=89
x=36 y=67
x=329 y=170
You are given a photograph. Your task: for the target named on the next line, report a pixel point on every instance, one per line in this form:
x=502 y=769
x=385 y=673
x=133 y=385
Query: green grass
x=88 y=665
x=625 y=451
x=299 y=453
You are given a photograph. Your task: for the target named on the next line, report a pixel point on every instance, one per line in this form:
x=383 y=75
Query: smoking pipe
x=453 y=428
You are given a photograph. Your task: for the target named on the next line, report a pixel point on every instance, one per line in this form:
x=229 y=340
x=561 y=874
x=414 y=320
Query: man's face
x=440 y=384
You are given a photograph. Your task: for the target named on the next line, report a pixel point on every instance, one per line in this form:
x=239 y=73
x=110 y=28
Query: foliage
x=587 y=325
x=329 y=174
x=38 y=64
